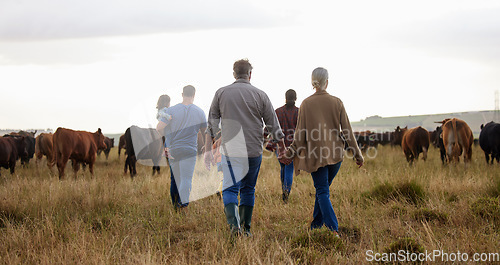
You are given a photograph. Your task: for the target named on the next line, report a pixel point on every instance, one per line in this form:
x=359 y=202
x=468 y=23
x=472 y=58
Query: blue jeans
x=286 y=176
x=323 y=209
x=245 y=187
x=181 y=174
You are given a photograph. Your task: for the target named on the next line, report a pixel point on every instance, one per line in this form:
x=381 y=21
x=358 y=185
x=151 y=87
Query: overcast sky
x=90 y=64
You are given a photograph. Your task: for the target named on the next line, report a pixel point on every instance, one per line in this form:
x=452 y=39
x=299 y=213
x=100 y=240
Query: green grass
x=111 y=219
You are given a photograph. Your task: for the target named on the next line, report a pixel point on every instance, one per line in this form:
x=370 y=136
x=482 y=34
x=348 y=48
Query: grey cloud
x=471 y=35
x=50 y=19
x=54 y=52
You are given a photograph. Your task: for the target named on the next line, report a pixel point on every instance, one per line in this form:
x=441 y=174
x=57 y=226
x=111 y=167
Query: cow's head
x=398 y=135
x=100 y=139
x=22 y=146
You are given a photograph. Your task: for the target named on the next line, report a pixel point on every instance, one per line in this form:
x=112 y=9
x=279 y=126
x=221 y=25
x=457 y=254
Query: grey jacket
x=242 y=110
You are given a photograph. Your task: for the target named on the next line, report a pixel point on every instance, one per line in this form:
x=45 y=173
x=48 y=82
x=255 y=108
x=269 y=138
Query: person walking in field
x=287 y=117
x=242 y=110
x=180 y=125
x=318 y=147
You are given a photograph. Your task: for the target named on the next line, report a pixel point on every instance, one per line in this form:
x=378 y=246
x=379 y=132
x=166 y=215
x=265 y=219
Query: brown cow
x=11 y=148
x=121 y=144
x=43 y=147
x=415 y=141
x=110 y=143
x=79 y=146
x=457 y=138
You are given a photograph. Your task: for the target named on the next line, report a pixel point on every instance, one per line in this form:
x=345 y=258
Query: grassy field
x=383 y=207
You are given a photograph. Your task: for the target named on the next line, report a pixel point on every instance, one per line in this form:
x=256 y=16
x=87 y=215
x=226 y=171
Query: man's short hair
x=290 y=95
x=188 y=91
x=242 y=68
x=163 y=102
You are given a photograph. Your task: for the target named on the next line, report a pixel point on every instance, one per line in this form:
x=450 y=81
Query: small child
x=162 y=106
x=163 y=116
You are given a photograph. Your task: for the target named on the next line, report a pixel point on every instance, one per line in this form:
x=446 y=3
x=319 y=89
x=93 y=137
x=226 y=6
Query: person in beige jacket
x=323 y=127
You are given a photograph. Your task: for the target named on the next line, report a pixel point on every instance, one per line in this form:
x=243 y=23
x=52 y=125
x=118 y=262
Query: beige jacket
x=319 y=137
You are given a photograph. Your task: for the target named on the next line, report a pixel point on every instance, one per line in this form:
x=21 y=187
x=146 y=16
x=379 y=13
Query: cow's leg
x=134 y=162
x=468 y=155
x=76 y=166
x=424 y=155
x=61 y=164
x=127 y=161
x=416 y=154
x=91 y=168
x=487 y=157
x=50 y=161
x=12 y=166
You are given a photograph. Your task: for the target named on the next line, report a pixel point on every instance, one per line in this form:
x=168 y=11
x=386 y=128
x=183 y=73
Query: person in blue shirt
x=180 y=125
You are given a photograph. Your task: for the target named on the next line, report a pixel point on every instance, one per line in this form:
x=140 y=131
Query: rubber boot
x=246 y=219
x=233 y=218
x=285 y=196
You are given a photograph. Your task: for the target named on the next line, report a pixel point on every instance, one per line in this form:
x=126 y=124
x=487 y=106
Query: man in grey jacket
x=242 y=110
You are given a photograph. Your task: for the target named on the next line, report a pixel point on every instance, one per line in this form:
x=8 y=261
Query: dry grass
x=110 y=219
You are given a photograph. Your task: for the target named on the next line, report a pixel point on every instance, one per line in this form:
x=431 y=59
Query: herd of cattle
x=453 y=138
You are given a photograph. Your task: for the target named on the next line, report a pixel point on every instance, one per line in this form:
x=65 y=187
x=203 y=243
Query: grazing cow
x=43 y=147
x=433 y=137
x=489 y=140
x=382 y=138
x=30 y=145
x=398 y=135
x=149 y=145
x=110 y=143
x=415 y=141
x=457 y=137
x=11 y=148
x=364 y=139
x=121 y=144
x=79 y=146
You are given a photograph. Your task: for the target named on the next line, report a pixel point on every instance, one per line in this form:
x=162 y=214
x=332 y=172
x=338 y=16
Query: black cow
x=29 y=141
x=382 y=138
x=365 y=139
x=150 y=148
x=437 y=141
x=11 y=148
x=489 y=140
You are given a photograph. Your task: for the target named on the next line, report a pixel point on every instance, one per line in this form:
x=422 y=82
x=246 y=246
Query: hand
x=270 y=148
x=359 y=163
x=209 y=160
x=286 y=161
x=167 y=153
x=281 y=149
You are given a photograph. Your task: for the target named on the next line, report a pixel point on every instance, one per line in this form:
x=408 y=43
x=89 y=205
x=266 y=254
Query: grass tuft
x=406 y=244
x=410 y=192
x=487 y=208
x=425 y=214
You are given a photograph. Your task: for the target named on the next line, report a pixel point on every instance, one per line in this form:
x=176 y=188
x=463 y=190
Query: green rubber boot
x=233 y=218
x=246 y=219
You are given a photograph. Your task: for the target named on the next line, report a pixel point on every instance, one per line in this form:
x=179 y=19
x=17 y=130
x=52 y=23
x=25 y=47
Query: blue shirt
x=182 y=129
